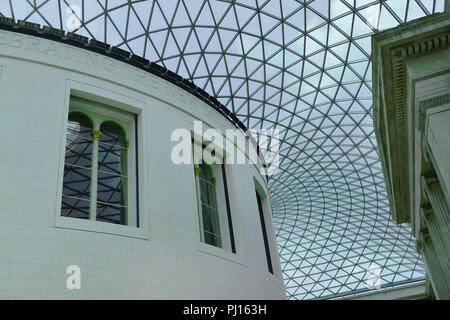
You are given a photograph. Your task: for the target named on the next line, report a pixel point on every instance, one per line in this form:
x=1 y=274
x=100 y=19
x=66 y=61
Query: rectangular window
x=207 y=198
x=264 y=233
x=216 y=227
x=97 y=163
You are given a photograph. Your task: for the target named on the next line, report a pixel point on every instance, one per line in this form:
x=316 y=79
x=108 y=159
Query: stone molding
x=399 y=55
x=429 y=103
x=392 y=50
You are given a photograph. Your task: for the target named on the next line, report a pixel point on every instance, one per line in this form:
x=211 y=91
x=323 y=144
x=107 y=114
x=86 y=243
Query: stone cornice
x=428 y=103
x=398 y=56
x=434 y=101
x=94 y=46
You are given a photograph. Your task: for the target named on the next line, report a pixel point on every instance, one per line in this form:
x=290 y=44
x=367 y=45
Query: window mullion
x=94 y=175
x=199 y=202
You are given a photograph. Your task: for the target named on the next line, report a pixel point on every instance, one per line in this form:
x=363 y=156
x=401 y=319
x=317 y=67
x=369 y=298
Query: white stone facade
x=163 y=258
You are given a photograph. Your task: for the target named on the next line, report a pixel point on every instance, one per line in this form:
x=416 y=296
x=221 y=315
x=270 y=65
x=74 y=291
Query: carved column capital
x=419 y=246
x=426 y=151
x=425 y=211
x=424 y=235
x=126 y=144
x=426 y=180
x=96 y=135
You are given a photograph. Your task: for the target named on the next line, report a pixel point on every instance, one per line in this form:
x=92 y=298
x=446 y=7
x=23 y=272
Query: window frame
x=128 y=219
x=200 y=203
x=261 y=211
x=118 y=103
x=260 y=189
x=229 y=249
x=99 y=115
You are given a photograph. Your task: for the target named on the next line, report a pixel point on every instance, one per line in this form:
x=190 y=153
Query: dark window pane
x=77 y=182
x=207 y=187
x=75 y=208
x=209 y=212
x=78 y=126
x=79 y=140
x=110 y=213
x=112 y=181
x=203 y=172
x=111 y=188
x=212 y=239
x=208 y=193
x=264 y=232
x=80 y=153
x=111 y=158
x=77 y=172
x=211 y=225
x=112 y=134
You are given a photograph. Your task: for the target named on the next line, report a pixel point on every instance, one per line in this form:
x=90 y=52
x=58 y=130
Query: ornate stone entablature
x=429 y=103
x=392 y=50
x=411 y=69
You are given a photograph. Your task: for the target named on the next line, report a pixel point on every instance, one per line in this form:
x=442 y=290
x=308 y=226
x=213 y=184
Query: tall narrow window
x=264 y=232
x=96 y=182
x=209 y=212
x=214 y=209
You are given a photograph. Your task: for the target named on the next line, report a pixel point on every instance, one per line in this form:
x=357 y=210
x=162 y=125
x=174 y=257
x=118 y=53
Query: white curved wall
x=164 y=258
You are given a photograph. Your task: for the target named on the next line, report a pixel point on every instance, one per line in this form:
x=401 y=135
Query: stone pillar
x=437 y=275
x=439 y=239
x=94 y=173
x=433 y=192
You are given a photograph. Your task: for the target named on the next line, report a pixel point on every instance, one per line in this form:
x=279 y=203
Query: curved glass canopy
x=300 y=66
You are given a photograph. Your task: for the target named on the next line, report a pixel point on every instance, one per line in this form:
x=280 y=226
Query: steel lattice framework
x=300 y=66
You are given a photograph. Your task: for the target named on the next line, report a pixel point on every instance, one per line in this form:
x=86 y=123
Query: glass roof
x=300 y=66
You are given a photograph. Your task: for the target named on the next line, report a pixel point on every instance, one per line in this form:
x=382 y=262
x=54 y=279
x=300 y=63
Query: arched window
x=77 y=167
x=96 y=182
x=112 y=174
